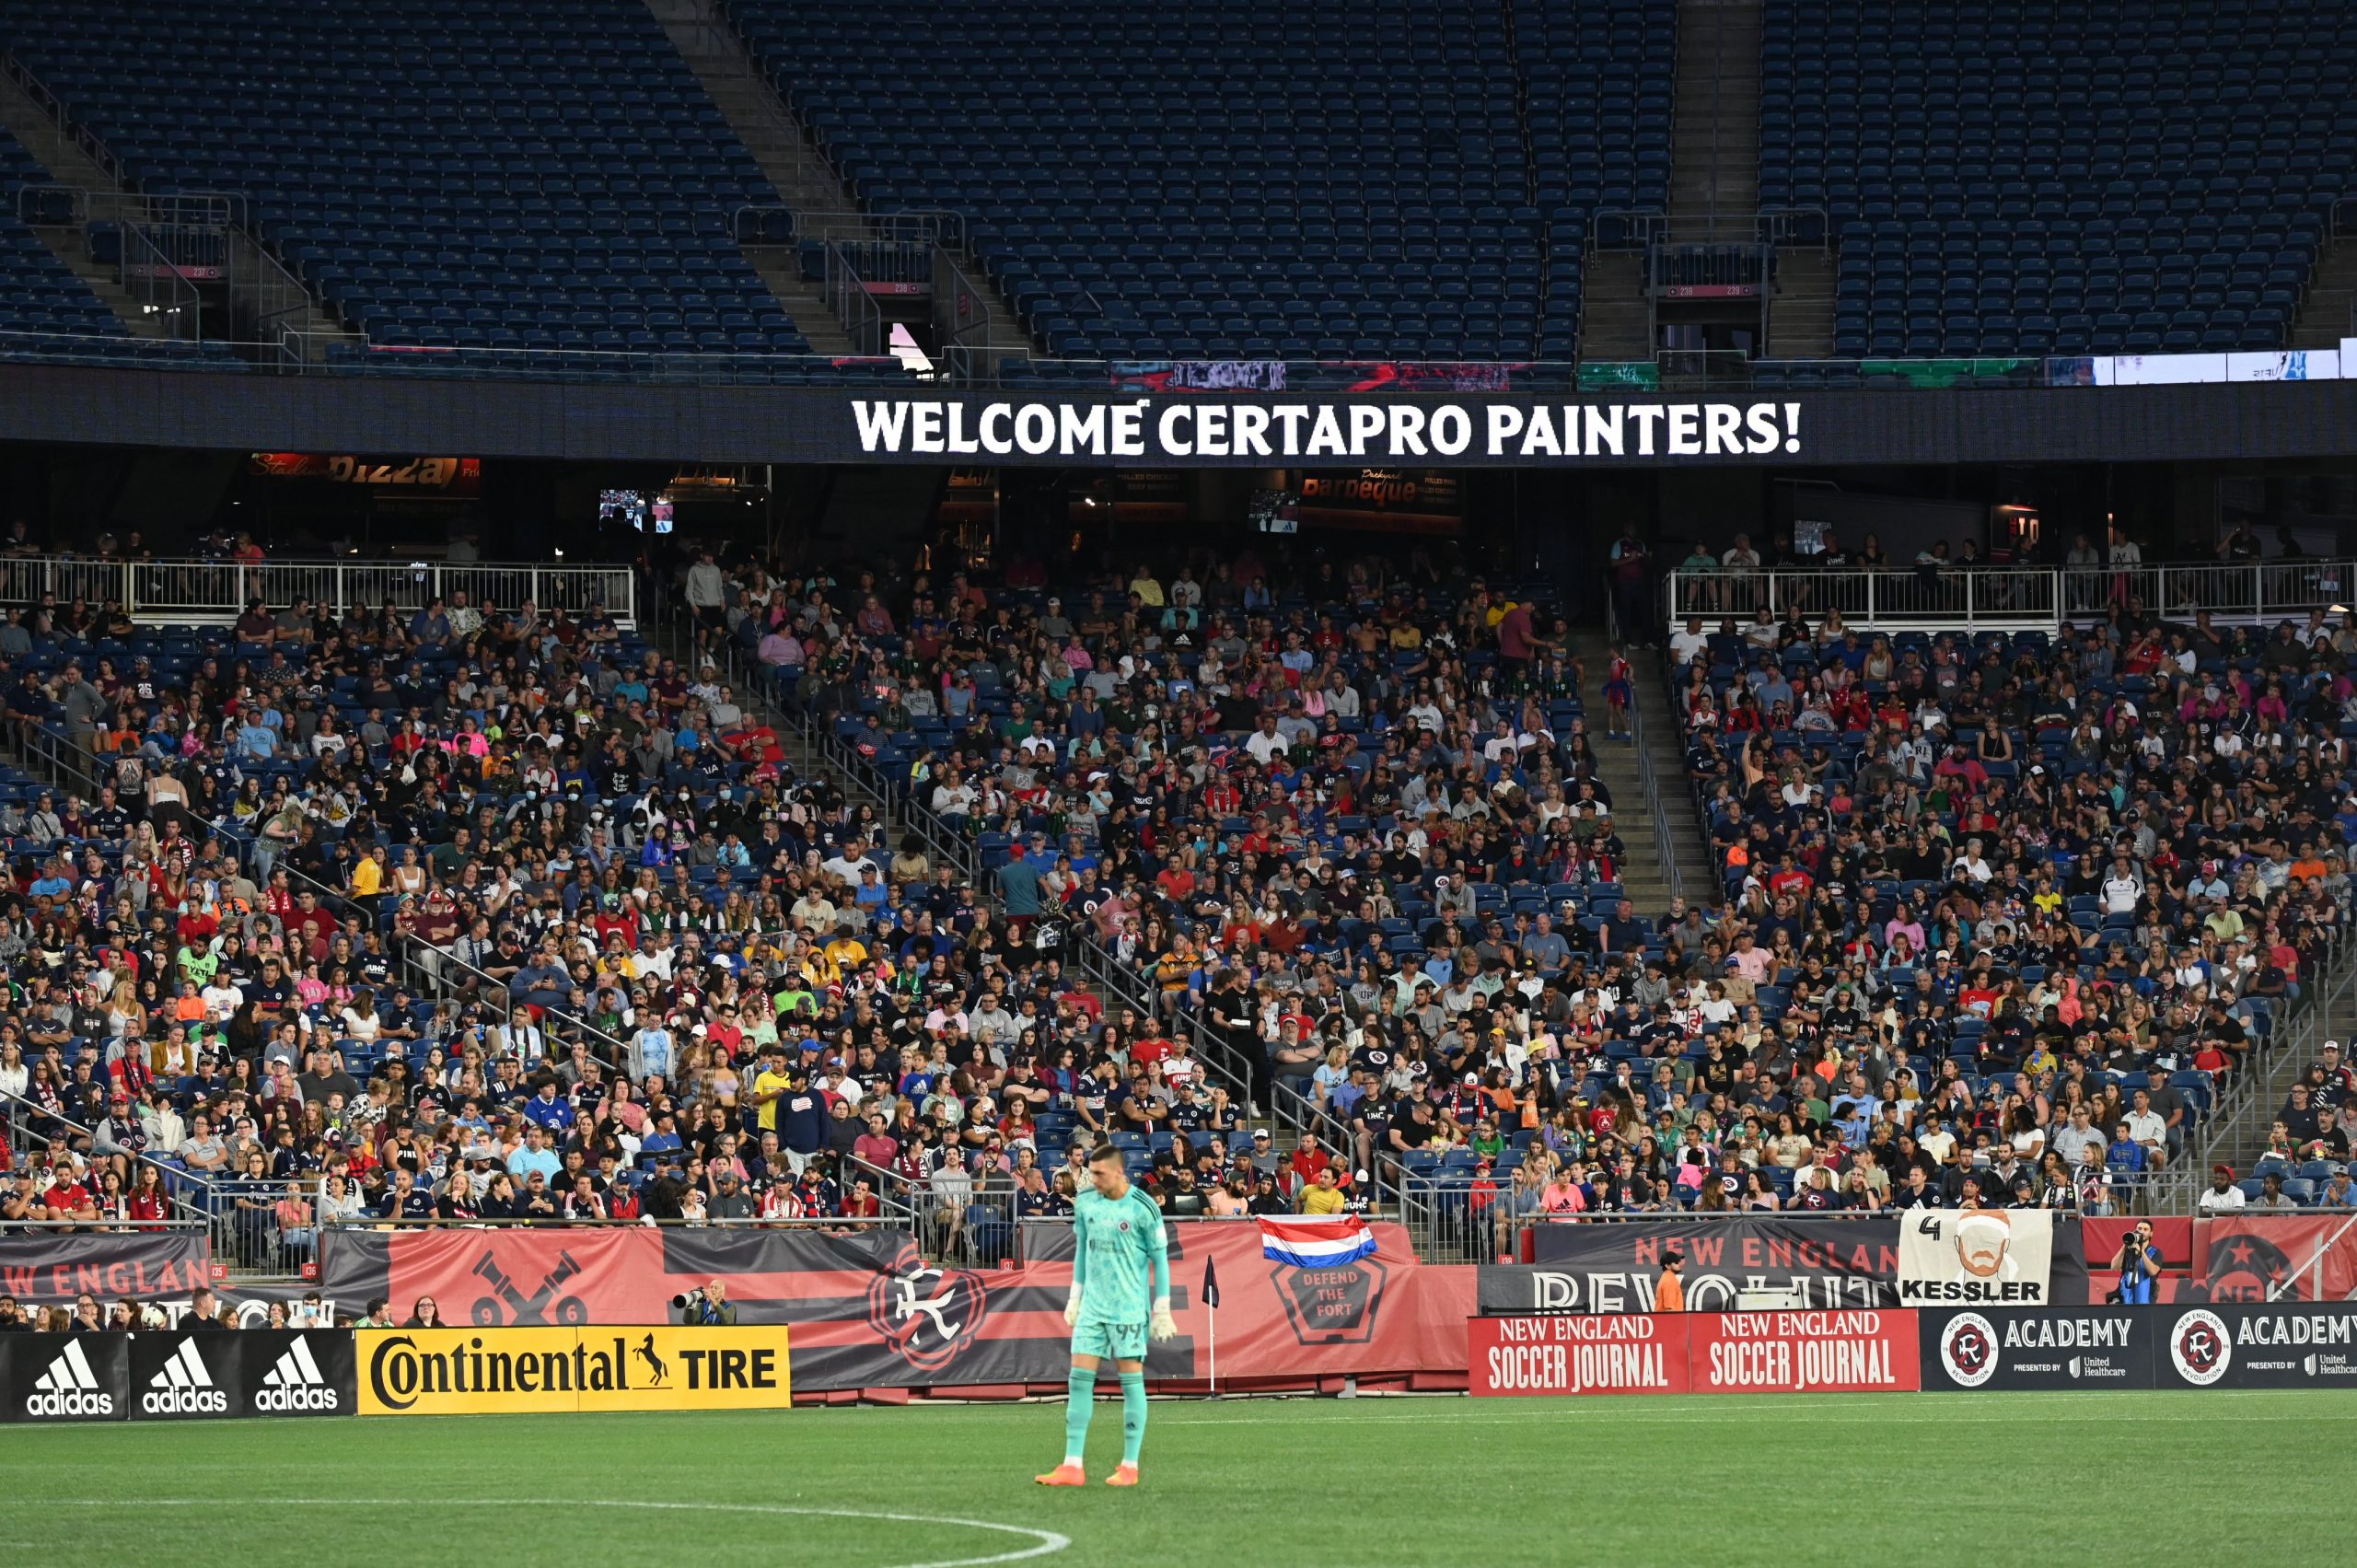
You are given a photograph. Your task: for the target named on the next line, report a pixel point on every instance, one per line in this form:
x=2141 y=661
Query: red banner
x=869 y=1313
x=1804 y=1352
x=1699 y=1353
x=1629 y=1353
x=2260 y=1257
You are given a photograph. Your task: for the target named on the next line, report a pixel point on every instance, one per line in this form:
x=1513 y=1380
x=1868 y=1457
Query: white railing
x=2013 y=598
x=213 y=591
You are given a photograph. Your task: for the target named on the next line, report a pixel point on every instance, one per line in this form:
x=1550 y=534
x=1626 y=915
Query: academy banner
x=2061 y=1347
x=2286 y=1345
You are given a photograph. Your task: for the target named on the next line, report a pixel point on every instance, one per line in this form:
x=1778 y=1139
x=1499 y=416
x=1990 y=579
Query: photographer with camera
x=708 y=1308
x=2139 y=1262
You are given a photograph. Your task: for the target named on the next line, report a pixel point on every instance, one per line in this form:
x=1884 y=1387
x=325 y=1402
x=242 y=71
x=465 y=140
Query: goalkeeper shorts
x=1109 y=1341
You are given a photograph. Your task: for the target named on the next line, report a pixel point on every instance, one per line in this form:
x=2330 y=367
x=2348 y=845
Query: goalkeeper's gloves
x=1162 y=1326
x=1072 y=1306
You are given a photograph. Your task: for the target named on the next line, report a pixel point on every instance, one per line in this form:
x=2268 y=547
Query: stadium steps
x=1715 y=137
x=1800 y=316
x=2328 y=313
x=1645 y=874
x=1616 y=322
x=783 y=153
x=69 y=166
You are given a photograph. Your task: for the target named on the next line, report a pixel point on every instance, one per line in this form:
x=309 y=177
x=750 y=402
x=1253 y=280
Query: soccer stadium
x=1582 y=767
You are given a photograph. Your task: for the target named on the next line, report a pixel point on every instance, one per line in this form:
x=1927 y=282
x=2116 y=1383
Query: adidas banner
x=46 y=1377
x=203 y=1374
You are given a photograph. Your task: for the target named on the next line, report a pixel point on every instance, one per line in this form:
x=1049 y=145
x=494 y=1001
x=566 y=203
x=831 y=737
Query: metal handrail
x=203 y=591
x=1949 y=597
x=1656 y=802
x=173 y=1176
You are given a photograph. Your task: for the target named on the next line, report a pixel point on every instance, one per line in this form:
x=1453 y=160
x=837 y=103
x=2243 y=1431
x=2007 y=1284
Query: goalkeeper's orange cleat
x=1125 y=1476
x=1064 y=1475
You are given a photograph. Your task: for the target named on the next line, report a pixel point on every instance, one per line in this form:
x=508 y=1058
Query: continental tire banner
x=504 y=1371
x=41 y=1269
x=2288 y=1345
x=52 y=1378
x=1990 y=1257
x=1600 y=1266
x=210 y=1374
x=1699 y=1352
x=2064 y=1347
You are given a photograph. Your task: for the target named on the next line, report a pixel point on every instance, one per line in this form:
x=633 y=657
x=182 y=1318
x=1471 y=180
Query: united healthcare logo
x=295 y=1385
x=69 y=1387
x=183 y=1385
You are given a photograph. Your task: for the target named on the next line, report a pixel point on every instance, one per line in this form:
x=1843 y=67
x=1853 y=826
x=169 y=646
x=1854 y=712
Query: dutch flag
x=1316 y=1244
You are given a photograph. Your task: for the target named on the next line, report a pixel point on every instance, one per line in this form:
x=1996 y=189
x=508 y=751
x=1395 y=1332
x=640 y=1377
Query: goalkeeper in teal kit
x=1121 y=1263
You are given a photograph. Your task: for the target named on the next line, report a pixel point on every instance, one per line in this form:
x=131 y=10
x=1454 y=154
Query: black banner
x=2061 y=1347
x=46 y=1377
x=1602 y=1266
x=2284 y=1346
x=181 y=1375
x=1448 y=425
x=44 y=1269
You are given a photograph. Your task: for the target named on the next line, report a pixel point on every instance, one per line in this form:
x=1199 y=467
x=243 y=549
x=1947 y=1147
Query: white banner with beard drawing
x=1965 y=1257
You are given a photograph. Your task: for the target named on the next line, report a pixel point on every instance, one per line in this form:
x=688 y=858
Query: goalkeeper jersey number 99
x=1120 y=1256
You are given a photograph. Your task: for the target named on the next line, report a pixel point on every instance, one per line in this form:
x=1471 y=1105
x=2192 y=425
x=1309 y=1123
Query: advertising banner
x=1627 y=1354
x=1802 y=1353
x=42 y=1269
x=207 y=1374
x=2260 y=1257
x=46 y=1377
x=2288 y=1345
x=1698 y=1353
x=506 y=1371
x=1595 y=1266
x=2063 y=1347
x=1994 y=1257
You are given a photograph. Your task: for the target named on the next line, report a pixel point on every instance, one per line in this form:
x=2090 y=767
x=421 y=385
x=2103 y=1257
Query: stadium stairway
x=1646 y=873
x=2328 y=313
x=1715 y=147
x=1616 y=323
x=69 y=166
x=1800 y=316
x=2243 y=1139
x=780 y=148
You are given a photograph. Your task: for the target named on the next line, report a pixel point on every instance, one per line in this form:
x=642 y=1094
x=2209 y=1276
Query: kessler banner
x=1595 y=1266
x=42 y=1269
x=1990 y=1257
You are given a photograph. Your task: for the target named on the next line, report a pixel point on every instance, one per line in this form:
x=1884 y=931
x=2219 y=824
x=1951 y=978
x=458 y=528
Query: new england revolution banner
x=44 y=1269
x=1599 y=1266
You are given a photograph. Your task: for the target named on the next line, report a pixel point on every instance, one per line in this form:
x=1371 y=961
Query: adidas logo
x=183 y=1385
x=69 y=1387
x=295 y=1383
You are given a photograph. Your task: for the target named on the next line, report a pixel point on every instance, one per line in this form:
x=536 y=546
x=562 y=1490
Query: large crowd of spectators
x=2061 y=887
x=475 y=913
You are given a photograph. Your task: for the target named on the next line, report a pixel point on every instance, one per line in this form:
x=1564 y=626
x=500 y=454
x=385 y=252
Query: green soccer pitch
x=2144 y=1478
